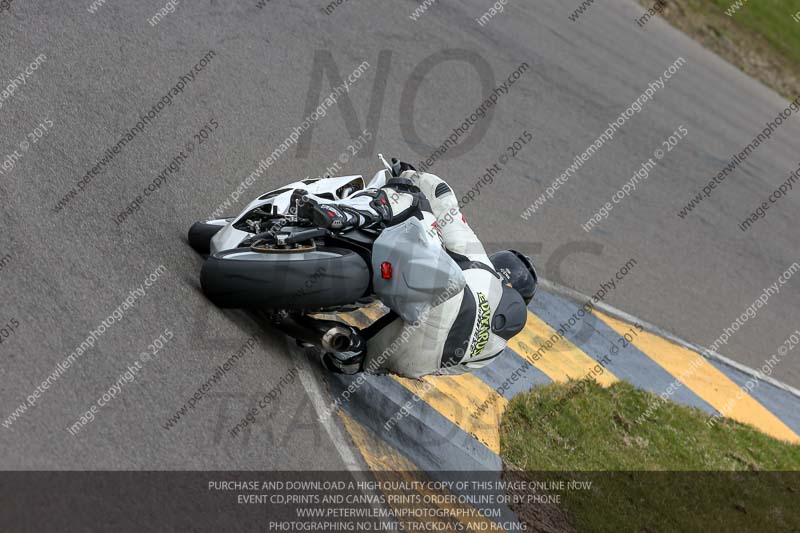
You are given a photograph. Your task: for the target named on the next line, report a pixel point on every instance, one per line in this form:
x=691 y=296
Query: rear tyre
x=325 y=277
x=201 y=233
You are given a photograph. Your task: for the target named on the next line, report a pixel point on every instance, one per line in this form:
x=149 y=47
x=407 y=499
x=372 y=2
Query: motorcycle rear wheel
x=306 y=280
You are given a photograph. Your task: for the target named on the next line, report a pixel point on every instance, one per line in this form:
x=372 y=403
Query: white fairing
x=378 y=180
x=230 y=237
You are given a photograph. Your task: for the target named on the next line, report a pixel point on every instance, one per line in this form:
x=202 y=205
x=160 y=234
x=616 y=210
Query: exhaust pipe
x=330 y=335
x=336 y=339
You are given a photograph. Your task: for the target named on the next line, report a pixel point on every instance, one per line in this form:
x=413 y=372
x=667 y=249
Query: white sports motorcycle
x=269 y=258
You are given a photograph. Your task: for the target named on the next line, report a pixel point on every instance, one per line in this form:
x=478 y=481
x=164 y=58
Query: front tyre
x=201 y=233
x=304 y=280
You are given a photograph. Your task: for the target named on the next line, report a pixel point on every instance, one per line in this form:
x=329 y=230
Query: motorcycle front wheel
x=202 y=231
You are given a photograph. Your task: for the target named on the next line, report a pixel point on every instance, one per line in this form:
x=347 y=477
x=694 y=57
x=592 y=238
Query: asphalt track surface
x=69 y=270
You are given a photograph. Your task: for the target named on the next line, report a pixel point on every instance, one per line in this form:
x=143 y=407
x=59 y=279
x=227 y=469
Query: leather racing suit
x=467 y=330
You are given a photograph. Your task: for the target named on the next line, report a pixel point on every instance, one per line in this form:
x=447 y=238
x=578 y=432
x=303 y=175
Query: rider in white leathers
x=461 y=331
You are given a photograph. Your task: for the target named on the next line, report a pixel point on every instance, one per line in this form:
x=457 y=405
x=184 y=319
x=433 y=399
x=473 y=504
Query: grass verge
x=761 y=37
x=670 y=471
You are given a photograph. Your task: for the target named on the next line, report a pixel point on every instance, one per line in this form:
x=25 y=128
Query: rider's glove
x=328 y=216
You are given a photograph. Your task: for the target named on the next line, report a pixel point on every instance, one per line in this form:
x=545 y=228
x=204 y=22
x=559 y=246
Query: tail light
x=386 y=270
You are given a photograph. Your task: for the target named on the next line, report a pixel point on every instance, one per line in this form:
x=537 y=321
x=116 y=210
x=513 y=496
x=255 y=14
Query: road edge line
x=313 y=389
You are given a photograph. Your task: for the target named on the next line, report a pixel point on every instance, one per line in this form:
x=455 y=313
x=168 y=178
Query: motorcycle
x=271 y=259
